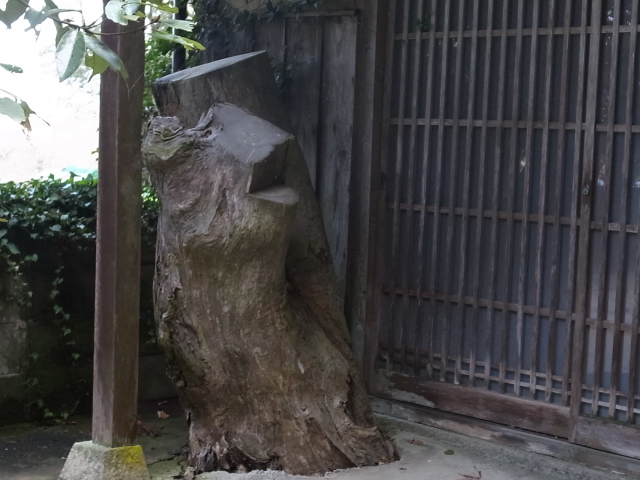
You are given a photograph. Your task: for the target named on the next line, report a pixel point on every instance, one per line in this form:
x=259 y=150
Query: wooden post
x=115 y=387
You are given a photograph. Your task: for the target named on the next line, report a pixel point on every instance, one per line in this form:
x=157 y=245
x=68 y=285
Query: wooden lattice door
x=507 y=279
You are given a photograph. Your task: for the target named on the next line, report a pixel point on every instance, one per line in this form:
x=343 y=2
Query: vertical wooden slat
x=635 y=348
x=465 y=201
x=495 y=198
x=585 y=218
x=526 y=198
x=453 y=177
x=423 y=185
x=628 y=145
x=623 y=268
x=481 y=195
x=408 y=247
x=438 y=181
x=542 y=204
x=379 y=201
x=557 y=211
x=381 y=20
x=398 y=179
x=574 y=287
x=511 y=193
x=603 y=287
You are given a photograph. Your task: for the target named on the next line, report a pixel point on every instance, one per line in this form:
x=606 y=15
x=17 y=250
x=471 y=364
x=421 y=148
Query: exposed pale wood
x=115 y=384
x=253 y=238
x=499 y=434
x=494 y=407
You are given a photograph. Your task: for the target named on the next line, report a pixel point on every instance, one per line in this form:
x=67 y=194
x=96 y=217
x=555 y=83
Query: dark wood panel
x=335 y=133
x=478 y=403
x=541 y=444
x=609 y=436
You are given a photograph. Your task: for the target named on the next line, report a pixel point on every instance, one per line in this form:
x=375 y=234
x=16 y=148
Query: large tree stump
x=245 y=295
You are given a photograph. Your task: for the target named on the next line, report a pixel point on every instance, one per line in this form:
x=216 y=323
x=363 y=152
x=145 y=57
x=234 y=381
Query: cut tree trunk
x=246 y=298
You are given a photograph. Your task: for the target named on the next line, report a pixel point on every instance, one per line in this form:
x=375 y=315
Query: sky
x=71 y=108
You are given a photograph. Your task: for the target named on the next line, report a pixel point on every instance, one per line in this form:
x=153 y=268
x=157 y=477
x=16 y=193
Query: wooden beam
x=115 y=387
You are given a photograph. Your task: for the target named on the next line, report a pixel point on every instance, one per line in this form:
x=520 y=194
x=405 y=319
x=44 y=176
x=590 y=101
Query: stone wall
x=37 y=368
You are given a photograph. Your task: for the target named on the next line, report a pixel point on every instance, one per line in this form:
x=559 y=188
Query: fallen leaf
x=162 y=414
x=413 y=441
x=449 y=452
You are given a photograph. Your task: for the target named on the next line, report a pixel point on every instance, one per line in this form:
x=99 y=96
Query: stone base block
x=90 y=461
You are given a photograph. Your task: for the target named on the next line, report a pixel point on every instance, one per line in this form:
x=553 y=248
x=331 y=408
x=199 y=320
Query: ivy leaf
x=99 y=48
x=13 y=249
x=187 y=42
x=13 y=11
x=2 y=233
x=69 y=53
x=12 y=109
x=185 y=25
x=97 y=65
x=11 y=68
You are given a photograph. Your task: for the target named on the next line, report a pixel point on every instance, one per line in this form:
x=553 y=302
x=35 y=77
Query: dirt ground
x=38 y=452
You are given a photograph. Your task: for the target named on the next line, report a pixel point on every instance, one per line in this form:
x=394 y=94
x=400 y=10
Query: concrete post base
x=90 y=461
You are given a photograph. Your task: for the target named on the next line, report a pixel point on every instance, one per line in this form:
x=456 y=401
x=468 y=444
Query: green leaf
x=13 y=11
x=97 y=65
x=2 y=233
x=187 y=42
x=70 y=53
x=449 y=452
x=13 y=249
x=11 y=68
x=131 y=8
x=185 y=25
x=12 y=109
x=114 y=11
x=35 y=17
x=99 y=48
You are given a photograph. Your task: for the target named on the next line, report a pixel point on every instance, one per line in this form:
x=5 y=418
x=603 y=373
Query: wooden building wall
x=314 y=57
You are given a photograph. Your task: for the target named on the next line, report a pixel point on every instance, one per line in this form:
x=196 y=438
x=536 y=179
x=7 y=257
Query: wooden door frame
x=564 y=422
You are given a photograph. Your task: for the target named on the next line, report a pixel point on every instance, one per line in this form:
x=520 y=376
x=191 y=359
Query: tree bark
x=245 y=294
